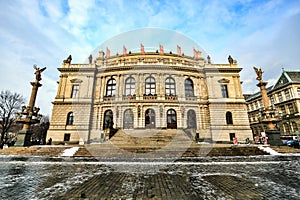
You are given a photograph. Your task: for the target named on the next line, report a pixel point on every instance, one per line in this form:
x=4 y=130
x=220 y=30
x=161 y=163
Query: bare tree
x=10 y=103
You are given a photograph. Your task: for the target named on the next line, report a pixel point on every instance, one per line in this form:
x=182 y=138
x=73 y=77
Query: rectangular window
x=75 y=91
x=224 y=90
x=298 y=91
x=257 y=105
x=291 y=108
x=272 y=99
x=261 y=104
x=249 y=107
x=282 y=109
x=280 y=97
x=287 y=94
x=295 y=127
x=67 y=137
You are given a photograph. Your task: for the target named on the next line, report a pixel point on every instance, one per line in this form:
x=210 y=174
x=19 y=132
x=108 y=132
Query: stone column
x=31 y=112
x=64 y=85
x=103 y=87
x=265 y=99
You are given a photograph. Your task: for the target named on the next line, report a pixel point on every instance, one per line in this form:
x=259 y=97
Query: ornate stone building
x=149 y=90
x=284 y=97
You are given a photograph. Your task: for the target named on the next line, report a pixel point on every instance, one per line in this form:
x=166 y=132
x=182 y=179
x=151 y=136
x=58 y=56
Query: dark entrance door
x=171 y=119
x=150 y=118
x=191 y=119
x=128 y=119
x=108 y=119
x=231 y=136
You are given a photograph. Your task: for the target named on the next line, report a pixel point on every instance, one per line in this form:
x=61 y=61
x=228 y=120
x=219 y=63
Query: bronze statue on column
x=267 y=113
x=29 y=114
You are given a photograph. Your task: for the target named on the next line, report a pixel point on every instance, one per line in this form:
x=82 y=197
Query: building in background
x=285 y=98
x=149 y=90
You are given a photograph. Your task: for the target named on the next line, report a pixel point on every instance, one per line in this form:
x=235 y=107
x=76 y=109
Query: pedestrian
x=50 y=141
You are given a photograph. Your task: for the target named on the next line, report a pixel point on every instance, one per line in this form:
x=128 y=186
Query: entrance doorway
x=128 y=119
x=171 y=119
x=231 y=136
x=191 y=119
x=150 y=118
x=108 y=119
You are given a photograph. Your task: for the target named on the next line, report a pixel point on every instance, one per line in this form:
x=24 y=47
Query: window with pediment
x=224 y=91
x=75 y=91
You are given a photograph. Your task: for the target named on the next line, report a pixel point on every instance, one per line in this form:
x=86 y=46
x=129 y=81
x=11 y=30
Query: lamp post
x=30 y=114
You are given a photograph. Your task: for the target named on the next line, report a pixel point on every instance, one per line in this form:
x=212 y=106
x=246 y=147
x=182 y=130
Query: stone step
x=109 y=150
x=151 y=137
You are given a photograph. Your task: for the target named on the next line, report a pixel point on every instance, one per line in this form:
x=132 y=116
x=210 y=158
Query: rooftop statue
x=230 y=59
x=90 y=59
x=68 y=60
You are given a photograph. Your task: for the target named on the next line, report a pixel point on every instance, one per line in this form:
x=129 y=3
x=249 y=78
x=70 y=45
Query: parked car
x=286 y=138
x=293 y=143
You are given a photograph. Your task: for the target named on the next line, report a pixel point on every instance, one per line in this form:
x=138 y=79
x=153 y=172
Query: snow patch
x=269 y=150
x=70 y=152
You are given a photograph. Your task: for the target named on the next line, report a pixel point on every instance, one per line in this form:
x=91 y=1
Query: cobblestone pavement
x=255 y=177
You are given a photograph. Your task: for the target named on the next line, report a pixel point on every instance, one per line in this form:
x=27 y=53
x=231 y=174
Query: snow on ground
x=70 y=152
x=269 y=150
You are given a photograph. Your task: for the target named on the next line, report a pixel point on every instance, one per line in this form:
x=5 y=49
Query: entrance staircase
x=148 y=143
x=143 y=141
x=168 y=143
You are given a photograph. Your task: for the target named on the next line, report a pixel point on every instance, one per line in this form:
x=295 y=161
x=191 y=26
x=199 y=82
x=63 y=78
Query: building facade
x=149 y=90
x=284 y=97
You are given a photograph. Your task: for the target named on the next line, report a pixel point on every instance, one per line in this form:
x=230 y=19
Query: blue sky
x=256 y=33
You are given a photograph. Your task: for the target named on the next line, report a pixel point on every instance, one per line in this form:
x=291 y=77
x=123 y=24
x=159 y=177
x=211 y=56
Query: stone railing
x=150 y=96
x=129 y=97
x=108 y=98
x=191 y=98
x=171 y=97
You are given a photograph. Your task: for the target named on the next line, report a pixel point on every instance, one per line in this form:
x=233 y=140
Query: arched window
x=229 y=118
x=130 y=86
x=70 y=118
x=150 y=86
x=170 y=86
x=189 y=87
x=111 y=87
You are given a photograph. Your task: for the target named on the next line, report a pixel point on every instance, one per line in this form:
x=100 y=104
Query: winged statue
x=259 y=73
x=38 y=72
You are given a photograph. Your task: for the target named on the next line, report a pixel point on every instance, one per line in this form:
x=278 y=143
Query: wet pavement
x=252 y=177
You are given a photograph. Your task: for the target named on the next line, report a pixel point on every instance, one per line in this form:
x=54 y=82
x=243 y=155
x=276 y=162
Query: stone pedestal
x=24 y=138
x=274 y=137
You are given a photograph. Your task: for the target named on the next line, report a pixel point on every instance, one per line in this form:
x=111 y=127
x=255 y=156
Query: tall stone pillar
x=268 y=113
x=29 y=114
